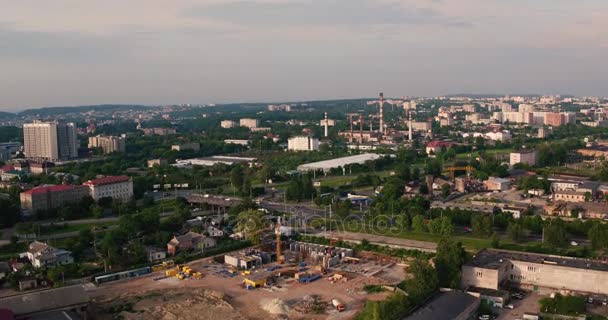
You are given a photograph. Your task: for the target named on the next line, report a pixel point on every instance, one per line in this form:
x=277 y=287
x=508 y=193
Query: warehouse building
x=494 y=269
x=327 y=165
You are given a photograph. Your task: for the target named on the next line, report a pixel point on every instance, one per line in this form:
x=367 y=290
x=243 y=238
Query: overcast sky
x=75 y=52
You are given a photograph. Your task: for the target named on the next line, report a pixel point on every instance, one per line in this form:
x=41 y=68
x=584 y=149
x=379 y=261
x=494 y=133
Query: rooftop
x=446 y=305
x=494 y=259
x=49 y=188
x=339 y=162
x=106 y=180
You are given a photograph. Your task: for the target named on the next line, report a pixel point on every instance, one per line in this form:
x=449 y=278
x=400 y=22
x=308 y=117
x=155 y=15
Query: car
x=166 y=194
x=573 y=243
x=484 y=317
x=509 y=306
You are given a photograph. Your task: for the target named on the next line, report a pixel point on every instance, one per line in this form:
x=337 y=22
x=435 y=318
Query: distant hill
x=53 y=111
x=7 y=115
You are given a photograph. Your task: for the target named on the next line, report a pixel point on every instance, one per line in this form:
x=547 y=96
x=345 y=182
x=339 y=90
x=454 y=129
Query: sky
x=74 y=52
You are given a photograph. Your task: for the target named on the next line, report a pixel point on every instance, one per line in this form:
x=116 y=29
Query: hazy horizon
x=152 y=52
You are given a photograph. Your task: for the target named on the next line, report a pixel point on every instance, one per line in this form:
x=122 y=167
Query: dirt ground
x=225 y=296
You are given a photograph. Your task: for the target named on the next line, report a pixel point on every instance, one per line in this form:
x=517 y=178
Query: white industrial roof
x=339 y=162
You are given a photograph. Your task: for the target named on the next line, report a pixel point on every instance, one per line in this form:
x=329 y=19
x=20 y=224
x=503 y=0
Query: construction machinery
x=338 y=305
x=468 y=169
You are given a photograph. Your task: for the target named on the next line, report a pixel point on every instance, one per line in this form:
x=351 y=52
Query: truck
x=338 y=305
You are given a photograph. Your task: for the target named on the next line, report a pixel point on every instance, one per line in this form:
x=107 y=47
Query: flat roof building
x=455 y=305
x=493 y=269
x=327 y=165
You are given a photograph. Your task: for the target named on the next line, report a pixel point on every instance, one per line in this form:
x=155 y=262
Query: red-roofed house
x=51 y=196
x=437 y=146
x=115 y=187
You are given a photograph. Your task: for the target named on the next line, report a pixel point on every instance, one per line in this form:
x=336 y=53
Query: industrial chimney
x=351 y=128
x=326 y=125
x=381 y=113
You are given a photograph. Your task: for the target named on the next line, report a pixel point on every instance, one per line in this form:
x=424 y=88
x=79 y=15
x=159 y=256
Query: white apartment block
x=115 y=187
x=303 y=143
x=249 y=123
x=227 y=124
x=50 y=140
x=523 y=156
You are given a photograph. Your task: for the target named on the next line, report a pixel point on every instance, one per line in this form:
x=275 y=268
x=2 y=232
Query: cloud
x=346 y=13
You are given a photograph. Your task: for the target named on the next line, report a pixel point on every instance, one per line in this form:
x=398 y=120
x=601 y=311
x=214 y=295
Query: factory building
x=494 y=269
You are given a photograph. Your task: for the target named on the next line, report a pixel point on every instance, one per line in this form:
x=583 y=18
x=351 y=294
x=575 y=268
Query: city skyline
x=150 y=52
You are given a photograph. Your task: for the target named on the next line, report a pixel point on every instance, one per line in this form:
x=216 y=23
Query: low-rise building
x=115 y=187
x=455 y=305
x=157 y=162
x=495 y=269
x=249 y=123
x=434 y=147
x=228 y=124
x=190 y=241
x=155 y=254
x=194 y=146
x=569 y=196
x=497 y=184
x=49 y=197
x=42 y=255
x=303 y=143
x=215 y=232
x=158 y=131
x=523 y=156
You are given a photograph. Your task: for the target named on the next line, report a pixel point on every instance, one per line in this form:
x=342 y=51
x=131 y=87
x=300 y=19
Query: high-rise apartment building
x=50 y=140
x=109 y=144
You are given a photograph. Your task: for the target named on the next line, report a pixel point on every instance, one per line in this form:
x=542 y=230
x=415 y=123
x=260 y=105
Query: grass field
x=60 y=228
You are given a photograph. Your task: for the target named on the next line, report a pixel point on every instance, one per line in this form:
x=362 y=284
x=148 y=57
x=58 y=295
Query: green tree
x=435 y=226
x=448 y=262
x=418 y=224
x=555 y=233
x=481 y=225
x=445 y=190
x=447 y=227
x=236 y=177
x=598 y=235
x=515 y=231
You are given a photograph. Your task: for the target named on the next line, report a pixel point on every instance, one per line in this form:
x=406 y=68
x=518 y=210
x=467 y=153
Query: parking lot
x=528 y=304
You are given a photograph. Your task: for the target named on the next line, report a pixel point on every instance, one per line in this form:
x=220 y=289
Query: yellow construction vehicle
x=171 y=273
x=197 y=275
x=181 y=276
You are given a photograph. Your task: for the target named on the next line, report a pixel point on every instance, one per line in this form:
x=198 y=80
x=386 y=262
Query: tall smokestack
x=351 y=128
x=326 y=125
x=360 y=128
x=381 y=113
x=409 y=126
x=371 y=124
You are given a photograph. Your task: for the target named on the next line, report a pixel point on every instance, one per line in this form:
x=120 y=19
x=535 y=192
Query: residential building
x=495 y=269
x=228 y=124
x=115 y=187
x=43 y=167
x=50 y=140
x=42 y=255
x=422 y=126
x=109 y=144
x=158 y=131
x=194 y=146
x=215 y=232
x=249 y=123
x=569 y=195
x=241 y=142
x=303 y=143
x=434 y=147
x=190 y=241
x=49 y=197
x=500 y=136
x=155 y=254
x=497 y=184
x=8 y=150
x=157 y=162
x=523 y=156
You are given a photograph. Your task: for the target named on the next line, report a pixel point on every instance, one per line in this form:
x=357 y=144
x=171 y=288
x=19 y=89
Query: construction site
x=292 y=280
